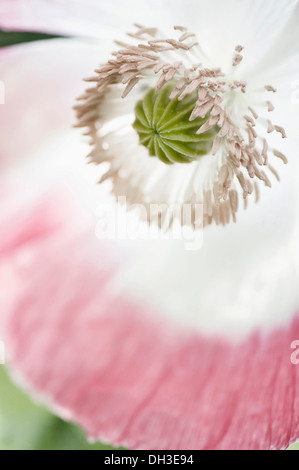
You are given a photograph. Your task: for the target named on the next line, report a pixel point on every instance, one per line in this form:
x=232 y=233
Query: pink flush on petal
x=108 y=363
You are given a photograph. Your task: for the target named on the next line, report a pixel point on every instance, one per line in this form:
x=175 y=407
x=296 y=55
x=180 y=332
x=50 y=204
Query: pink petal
x=42 y=82
x=108 y=363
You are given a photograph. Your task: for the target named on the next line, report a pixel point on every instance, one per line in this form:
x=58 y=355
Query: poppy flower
x=150 y=342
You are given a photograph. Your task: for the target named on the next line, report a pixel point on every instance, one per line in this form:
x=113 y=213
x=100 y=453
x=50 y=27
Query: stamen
x=274 y=172
x=281 y=131
x=281 y=156
x=237 y=59
x=265 y=151
x=249 y=120
x=270 y=88
x=270 y=128
x=270 y=106
x=253 y=112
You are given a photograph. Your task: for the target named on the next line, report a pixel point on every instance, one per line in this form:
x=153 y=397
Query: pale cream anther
x=270 y=106
x=271 y=88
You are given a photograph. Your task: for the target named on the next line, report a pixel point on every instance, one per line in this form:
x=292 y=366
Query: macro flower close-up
x=149 y=223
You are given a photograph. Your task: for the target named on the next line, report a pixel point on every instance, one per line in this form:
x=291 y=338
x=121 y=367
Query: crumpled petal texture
x=108 y=363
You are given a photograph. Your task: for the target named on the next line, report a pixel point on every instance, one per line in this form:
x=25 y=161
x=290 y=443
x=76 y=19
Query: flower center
x=165 y=128
x=188 y=114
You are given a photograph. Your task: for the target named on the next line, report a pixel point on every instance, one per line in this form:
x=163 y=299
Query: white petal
x=281 y=61
x=220 y=25
x=245 y=275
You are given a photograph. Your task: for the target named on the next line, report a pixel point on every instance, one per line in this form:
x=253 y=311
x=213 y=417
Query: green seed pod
x=164 y=127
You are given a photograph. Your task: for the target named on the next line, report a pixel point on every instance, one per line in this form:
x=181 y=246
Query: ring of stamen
x=237 y=154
